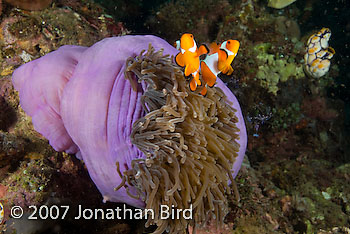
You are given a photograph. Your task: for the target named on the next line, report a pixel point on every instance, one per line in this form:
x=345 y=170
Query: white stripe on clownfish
x=209 y=69
x=229 y=52
x=177 y=45
x=192 y=49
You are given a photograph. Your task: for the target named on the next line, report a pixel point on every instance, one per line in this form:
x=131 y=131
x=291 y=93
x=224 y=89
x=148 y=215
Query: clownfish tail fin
x=193 y=85
x=204 y=91
x=196 y=78
x=229 y=70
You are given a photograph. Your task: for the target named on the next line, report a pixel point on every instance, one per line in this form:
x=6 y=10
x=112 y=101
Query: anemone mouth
x=190 y=144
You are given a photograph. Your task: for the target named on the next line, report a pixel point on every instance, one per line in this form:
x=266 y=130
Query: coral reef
x=317 y=109
x=196 y=17
x=295 y=178
x=26 y=36
x=274 y=69
x=7 y=115
x=33 y=5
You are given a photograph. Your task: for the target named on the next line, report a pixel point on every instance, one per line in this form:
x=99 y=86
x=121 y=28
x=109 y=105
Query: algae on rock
x=274 y=69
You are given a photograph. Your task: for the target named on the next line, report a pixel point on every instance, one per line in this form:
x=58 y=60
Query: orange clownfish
x=188 y=57
x=231 y=48
x=219 y=60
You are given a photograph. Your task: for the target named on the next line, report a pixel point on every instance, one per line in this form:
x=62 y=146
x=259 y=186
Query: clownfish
x=231 y=48
x=188 y=57
x=219 y=60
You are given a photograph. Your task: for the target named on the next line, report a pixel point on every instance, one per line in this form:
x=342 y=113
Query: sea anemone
x=146 y=140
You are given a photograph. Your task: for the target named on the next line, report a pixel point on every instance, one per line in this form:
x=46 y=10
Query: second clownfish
x=188 y=57
x=219 y=60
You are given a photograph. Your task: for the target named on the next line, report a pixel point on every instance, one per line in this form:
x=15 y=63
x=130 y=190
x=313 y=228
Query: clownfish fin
x=208 y=75
x=189 y=69
x=222 y=59
x=204 y=91
x=203 y=49
x=179 y=60
x=228 y=70
x=198 y=81
x=214 y=48
x=193 y=85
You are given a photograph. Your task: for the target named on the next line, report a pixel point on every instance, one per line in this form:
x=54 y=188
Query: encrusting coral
x=190 y=144
x=273 y=69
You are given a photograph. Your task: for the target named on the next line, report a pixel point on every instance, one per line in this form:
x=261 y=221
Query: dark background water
x=336 y=16
x=133 y=13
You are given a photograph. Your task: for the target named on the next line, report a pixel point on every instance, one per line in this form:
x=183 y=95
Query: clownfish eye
x=228 y=42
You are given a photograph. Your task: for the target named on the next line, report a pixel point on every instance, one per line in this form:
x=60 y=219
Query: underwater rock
x=79 y=99
x=32 y=5
x=7 y=115
x=317 y=108
x=11 y=149
x=287 y=27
